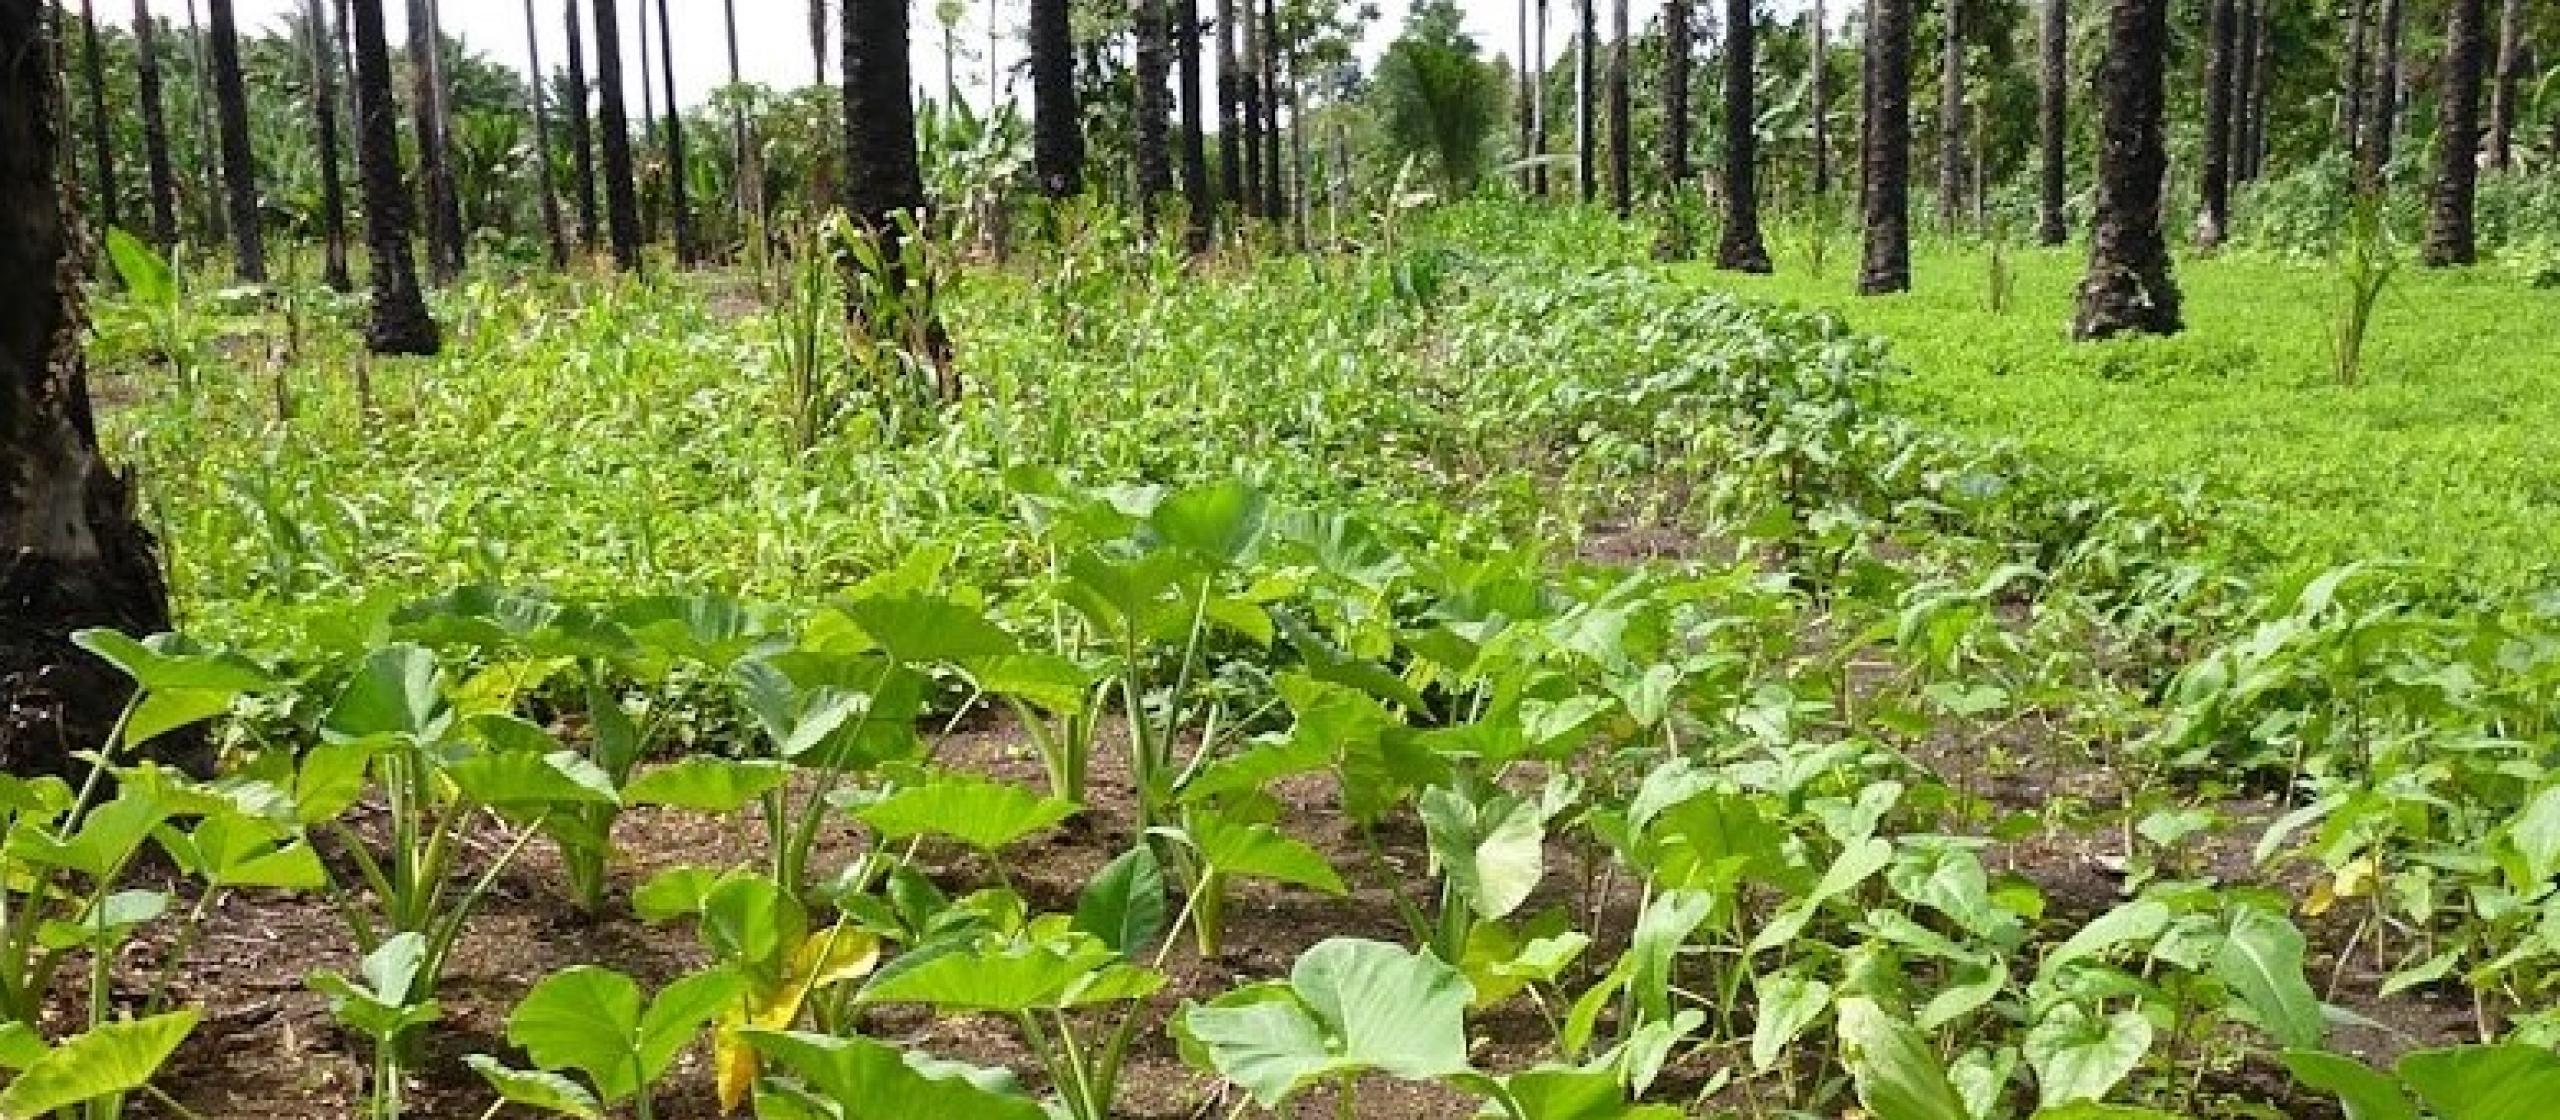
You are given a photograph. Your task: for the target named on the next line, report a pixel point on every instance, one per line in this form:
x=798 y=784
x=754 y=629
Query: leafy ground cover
x=2443 y=456
x=1472 y=677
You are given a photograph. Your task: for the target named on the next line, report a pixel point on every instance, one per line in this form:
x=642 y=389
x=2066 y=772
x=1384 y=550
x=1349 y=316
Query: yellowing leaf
x=829 y=956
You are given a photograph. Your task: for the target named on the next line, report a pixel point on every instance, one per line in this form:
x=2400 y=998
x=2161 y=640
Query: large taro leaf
x=109 y=1060
x=2260 y=958
x=981 y=812
x=2363 y=1092
x=1350 y=1005
x=1124 y=903
x=2509 y=1081
x=591 y=1020
x=1573 y=1094
x=1898 y=1078
x=868 y=1080
x=2081 y=1057
x=1258 y=851
x=986 y=975
x=1492 y=847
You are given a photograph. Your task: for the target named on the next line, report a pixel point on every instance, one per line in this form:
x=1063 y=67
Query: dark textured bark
x=239 y=164
x=2450 y=239
x=1951 y=117
x=324 y=112
x=687 y=251
x=1538 y=178
x=1152 y=150
x=2502 y=97
x=2128 y=288
x=1586 y=91
x=2261 y=91
x=1676 y=51
x=621 y=198
x=72 y=553
x=2354 y=64
x=743 y=187
x=582 y=162
x=427 y=125
x=1230 y=108
x=155 y=130
x=1740 y=249
x=1057 y=128
x=2053 y=122
x=209 y=168
x=884 y=173
x=101 y=137
x=1522 y=100
x=2222 y=33
x=1886 y=162
x=1275 y=201
x=1622 y=196
x=1249 y=100
x=1820 y=93
x=2244 y=83
x=548 y=198
x=2382 y=98
x=1194 y=144
x=399 y=323
x=1866 y=101
x=818 y=38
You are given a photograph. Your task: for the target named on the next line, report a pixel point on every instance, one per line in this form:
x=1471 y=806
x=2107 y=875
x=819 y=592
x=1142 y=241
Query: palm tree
x=818 y=44
x=1230 y=104
x=744 y=189
x=2450 y=238
x=1249 y=101
x=324 y=110
x=1621 y=116
x=2221 y=35
x=2244 y=81
x=155 y=130
x=884 y=178
x=2355 y=62
x=2502 y=97
x=2128 y=288
x=1586 y=86
x=1152 y=153
x=2053 y=118
x=1522 y=83
x=103 y=151
x=546 y=196
x=77 y=555
x=1820 y=95
x=1951 y=117
x=686 y=250
x=1538 y=106
x=582 y=164
x=1275 y=202
x=239 y=164
x=2382 y=99
x=199 y=61
x=1676 y=50
x=1057 y=125
x=1740 y=249
x=1195 y=158
x=435 y=160
x=622 y=201
x=399 y=323
x=1885 y=162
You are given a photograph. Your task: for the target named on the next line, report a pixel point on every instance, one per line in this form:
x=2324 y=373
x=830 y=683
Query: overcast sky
x=773 y=36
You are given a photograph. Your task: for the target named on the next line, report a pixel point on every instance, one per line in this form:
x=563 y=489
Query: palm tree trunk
x=444 y=251
x=622 y=200
x=2128 y=288
x=1676 y=52
x=2053 y=120
x=101 y=135
x=72 y=555
x=399 y=323
x=582 y=164
x=1951 y=119
x=1740 y=249
x=1275 y=202
x=547 y=196
x=208 y=163
x=239 y=164
x=1523 y=101
x=2355 y=62
x=742 y=189
x=1300 y=202
x=1886 y=161
x=2382 y=99
x=155 y=131
x=2502 y=98
x=2261 y=91
x=2222 y=33
x=1538 y=106
x=818 y=25
x=1194 y=145
x=1057 y=127
x=2244 y=81
x=1152 y=150
x=1622 y=197
x=1586 y=89
x=2450 y=238
x=1820 y=93
x=1249 y=101
x=686 y=251
x=1230 y=107
x=884 y=175
x=324 y=108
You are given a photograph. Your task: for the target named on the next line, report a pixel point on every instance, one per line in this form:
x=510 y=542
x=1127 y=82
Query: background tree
x=1886 y=161
x=1622 y=195
x=324 y=113
x=2053 y=122
x=1950 y=114
x=680 y=207
x=1437 y=99
x=582 y=168
x=155 y=130
x=399 y=323
x=1676 y=51
x=1524 y=85
x=1538 y=107
x=1740 y=248
x=239 y=163
x=1057 y=124
x=72 y=554
x=103 y=151
x=2128 y=288
x=2450 y=238
x=1192 y=143
x=546 y=198
x=2381 y=99
x=1230 y=105
x=430 y=128
x=1275 y=203
x=1153 y=163
x=1586 y=82
x=2222 y=28
x=1818 y=83
x=819 y=37
x=2502 y=96
x=208 y=164
x=621 y=197
x=2355 y=65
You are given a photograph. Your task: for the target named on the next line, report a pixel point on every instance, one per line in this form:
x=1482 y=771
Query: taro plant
x=386 y=1006
x=1349 y=1007
x=594 y=1021
x=90 y=1074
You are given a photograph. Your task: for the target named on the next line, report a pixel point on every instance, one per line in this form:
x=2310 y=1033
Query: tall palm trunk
x=399 y=323
x=76 y=556
x=1586 y=90
x=1622 y=197
x=1230 y=107
x=2450 y=239
x=1885 y=164
x=101 y=134
x=2355 y=63
x=621 y=199
x=741 y=189
x=818 y=26
x=1194 y=145
x=884 y=175
x=2262 y=80
x=2128 y=288
x=1676 y=52
x=1524 y=101
x=582 y=162
x=1538 y=106
x=2382 y=99
x=239 y=163
x=1740 y=249
x=2244 y=80
x=1274 y=200
x=1951 y=118
x=2053 y=121
x=2222 y=33
x=546 y=193
x=208 y=186
x=435 y=172
x=1249 y=102
x=324 y=110
x=648 y=131
x=1152 y=152
x=1820 y=96
x=686 y=250
x=155 y=130
x=2502 y=98
x=1057 y=127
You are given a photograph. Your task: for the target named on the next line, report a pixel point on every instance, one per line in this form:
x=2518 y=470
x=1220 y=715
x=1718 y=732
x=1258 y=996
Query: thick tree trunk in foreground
x=2502 y=98
x=1886 y=162
x=2222 y=32
x=1192 y=144
x=1676 y=50
x=399 y=323
x=1622 y=194
x=1740 y=249
x=582 y=161
x=2450 y=239
x=324 y=111
x=2128 y=288
x=155 y=131
x=72 y=554
x=621 y=198
x=239 y=164
x=2053 y=122
x=1057 y=127
x=548 y=195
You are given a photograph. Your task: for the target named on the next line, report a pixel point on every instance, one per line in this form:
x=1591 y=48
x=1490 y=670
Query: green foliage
x=1436 y=99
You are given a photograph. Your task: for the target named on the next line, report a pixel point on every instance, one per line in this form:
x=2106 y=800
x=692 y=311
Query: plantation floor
x=2447 y=454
